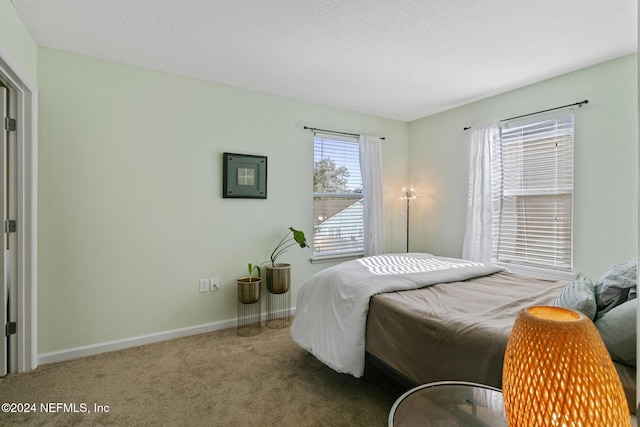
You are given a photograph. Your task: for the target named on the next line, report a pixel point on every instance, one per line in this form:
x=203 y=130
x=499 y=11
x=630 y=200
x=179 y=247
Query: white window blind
x=537 y=187
x=338 y=207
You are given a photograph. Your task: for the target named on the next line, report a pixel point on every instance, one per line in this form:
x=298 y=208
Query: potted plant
x=249 y=287
x=278 y=275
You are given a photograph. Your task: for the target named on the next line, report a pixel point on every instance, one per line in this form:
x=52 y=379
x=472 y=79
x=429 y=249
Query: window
x=535 y=222
x=338 y=206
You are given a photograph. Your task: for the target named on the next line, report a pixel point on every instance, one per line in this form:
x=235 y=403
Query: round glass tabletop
x=449 y=403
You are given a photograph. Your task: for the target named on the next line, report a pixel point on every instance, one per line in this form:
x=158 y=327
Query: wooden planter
x=278 y=278
x=249 y=290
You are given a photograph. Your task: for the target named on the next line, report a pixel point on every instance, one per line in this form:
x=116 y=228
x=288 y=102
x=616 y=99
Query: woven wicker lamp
x=557 y=372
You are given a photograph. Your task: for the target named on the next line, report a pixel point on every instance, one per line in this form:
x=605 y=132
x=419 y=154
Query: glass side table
x=449 y=403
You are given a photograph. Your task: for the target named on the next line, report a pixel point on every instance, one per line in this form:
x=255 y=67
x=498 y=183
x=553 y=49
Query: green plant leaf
x=298 y=236
x=288 y=241
x=251 y=269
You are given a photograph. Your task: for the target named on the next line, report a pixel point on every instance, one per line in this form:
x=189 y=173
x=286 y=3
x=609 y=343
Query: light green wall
x=15 y=41
x=606 y=163
x=130 y=208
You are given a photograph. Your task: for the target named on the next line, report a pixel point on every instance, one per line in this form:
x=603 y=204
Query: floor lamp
x=409 y=196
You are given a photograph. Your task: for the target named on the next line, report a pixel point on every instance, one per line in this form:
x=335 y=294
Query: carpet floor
x=213 y=379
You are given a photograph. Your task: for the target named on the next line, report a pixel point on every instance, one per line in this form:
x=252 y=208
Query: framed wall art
x=244 y=176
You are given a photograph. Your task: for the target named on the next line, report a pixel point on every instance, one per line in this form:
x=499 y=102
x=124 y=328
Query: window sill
x=543 y=273
x=336 y=257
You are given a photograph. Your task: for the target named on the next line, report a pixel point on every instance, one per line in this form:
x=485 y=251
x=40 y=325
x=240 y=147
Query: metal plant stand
x=249 y=307
x=279 y=310
x=249 y=319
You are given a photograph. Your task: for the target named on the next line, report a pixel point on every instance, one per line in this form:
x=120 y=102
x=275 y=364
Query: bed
x=422 y=317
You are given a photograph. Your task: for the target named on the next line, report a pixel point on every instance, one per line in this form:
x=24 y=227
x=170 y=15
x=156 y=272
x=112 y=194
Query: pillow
x=579 y=295
x=614 y=287
x=632 y=293
x=618 y=331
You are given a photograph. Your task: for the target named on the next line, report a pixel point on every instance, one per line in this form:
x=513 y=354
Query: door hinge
x=10 y=328
x=9 y=124
x=10 y=226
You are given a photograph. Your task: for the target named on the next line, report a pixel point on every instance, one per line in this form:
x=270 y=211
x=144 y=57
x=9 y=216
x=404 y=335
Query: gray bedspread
x=458 y=331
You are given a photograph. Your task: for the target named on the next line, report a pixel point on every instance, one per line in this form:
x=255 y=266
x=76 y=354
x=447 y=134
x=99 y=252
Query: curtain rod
x=579 y=104
x=336 y=132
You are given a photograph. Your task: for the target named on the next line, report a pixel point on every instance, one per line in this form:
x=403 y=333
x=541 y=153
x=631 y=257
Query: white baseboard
x=90 y=350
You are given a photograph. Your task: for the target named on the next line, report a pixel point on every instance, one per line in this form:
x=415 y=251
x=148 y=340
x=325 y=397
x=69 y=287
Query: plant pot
x=249 y=290
x=278 y=278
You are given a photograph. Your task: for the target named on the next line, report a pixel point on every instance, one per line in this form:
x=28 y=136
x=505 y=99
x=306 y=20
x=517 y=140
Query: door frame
x=26 y=274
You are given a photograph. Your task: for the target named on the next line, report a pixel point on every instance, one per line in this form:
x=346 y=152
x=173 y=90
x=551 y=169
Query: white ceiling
x=401 y=59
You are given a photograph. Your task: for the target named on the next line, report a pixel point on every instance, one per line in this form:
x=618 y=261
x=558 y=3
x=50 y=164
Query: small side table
x=451 y=403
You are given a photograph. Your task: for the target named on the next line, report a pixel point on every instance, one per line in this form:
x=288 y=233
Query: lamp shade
x=558 y=372
x=408 y=194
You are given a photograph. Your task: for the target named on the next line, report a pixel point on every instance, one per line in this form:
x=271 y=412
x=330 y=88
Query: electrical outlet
x=214 y=284
x=204 y=285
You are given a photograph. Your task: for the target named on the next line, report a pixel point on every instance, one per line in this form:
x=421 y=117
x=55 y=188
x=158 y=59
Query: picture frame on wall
x=244 y=176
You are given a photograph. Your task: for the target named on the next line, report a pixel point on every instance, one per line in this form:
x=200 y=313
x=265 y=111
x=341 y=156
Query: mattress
x=458 y=330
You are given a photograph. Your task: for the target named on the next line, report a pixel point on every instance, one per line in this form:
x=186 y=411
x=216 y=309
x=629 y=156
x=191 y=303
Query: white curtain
x=480 y=239
x=371 y=170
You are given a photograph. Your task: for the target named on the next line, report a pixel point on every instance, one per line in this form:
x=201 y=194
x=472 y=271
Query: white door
x=4 y=285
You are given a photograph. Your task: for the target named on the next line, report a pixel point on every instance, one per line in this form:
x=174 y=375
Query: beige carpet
x=214 y=379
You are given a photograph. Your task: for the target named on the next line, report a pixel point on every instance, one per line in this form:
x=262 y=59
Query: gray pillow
x=616 y=286
x=618 y=331
x=579 y=295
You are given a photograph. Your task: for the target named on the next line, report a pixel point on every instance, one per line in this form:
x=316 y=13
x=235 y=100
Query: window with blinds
x=338 y=206
x=537 y=187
